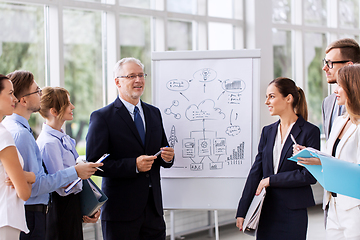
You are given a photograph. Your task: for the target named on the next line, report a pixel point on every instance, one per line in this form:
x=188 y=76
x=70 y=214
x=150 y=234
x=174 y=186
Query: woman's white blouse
x=278 y=146
x=12 y=210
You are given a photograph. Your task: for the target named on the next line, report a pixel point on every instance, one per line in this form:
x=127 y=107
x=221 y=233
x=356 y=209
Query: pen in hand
x=293 y=139
x=158 y=153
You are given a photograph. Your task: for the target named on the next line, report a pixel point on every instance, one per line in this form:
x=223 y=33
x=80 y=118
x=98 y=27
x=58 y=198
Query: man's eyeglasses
x=38 y=90
x=134 y=76
x=330 y=64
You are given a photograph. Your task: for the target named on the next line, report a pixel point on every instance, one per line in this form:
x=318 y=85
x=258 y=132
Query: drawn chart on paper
x=206 y=108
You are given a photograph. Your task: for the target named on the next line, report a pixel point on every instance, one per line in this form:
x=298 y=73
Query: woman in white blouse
x=57 y=149
x=343 y=212
x=12 y=212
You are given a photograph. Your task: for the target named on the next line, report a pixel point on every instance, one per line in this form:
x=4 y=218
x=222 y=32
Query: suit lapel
x=124 y=114
x=147 y=121
x=269 y=151
x=345 y=138
x=331 y=110
x=295 y=131
x=335 y=131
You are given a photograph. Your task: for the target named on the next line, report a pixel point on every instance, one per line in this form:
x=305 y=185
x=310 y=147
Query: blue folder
x=334 y=175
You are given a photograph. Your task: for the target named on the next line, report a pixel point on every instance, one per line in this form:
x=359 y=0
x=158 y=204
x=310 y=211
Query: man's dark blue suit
x=112 y=130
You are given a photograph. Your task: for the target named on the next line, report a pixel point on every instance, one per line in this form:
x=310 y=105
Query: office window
x=349 y=13
x=183 y=6
x=220 y=36
x=281 y=11
x=135 y=41
x=179 y=35
x=137 y=3
x=316 y=85
x=315 y=12
x=223 y=9
x=83 y=69
x=282 y=53
x=22 y=45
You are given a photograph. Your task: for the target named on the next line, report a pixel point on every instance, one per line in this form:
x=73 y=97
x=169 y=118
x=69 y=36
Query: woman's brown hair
x=56 y=98
x=287 y=86
x=349 y=79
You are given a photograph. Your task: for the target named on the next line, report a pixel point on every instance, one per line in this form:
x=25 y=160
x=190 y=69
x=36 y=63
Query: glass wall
x=22 y=44
x=301 y=32
x=82 y=69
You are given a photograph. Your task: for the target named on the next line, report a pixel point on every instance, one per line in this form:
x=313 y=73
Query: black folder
x=91 y=198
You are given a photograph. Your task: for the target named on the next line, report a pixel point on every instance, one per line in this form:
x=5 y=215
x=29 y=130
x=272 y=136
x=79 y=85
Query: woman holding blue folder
x=64 y=219
x=288 y=191
x=343 y=212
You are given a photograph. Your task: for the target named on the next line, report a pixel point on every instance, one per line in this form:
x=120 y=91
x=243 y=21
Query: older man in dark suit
x=131 y=131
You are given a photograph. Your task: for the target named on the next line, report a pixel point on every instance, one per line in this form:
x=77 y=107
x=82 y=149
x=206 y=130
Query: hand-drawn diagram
x=206 y=119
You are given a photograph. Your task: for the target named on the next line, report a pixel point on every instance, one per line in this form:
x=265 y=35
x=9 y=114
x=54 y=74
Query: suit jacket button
x=147 y=175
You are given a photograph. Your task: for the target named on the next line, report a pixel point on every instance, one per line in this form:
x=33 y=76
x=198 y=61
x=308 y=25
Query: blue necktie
x=139 y=124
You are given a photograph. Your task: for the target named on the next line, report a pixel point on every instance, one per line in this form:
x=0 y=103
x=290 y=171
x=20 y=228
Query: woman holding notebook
x=343 y=212
x=288 y=191
x=64 y=219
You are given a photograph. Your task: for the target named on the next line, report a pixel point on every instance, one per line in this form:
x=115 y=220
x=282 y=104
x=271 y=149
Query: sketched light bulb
x=206 y=73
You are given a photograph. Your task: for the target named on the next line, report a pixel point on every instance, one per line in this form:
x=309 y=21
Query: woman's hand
x=263 y=184
x=297 y=148
x=309 y=161
x=239 y=223
x=92 y=219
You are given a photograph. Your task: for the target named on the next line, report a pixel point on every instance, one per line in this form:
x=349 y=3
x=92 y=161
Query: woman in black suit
x=288 y=191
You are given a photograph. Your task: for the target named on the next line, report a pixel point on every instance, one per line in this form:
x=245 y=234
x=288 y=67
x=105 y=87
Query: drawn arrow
x=184 y=96
x=220 y=95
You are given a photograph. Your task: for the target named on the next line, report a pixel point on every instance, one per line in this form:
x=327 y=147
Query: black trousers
x=149 y=226
x=37 y=225
x=64 y=219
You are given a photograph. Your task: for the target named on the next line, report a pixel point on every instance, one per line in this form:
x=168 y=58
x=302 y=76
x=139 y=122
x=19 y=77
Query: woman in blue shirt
x=58 y=151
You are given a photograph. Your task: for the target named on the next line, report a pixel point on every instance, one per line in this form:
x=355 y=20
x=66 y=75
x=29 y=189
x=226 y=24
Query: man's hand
x=167 y=153
x=30 y=177
x=239 y=223
x=144 y=163
x=85 y=170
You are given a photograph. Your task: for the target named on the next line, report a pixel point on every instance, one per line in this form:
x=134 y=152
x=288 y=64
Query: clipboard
x=91 y=198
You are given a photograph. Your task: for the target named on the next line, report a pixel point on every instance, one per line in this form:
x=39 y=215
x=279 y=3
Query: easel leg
x=172 y=225
x=216 y=219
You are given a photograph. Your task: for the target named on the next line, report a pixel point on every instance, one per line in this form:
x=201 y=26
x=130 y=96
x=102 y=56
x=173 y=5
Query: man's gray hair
x=118 y=65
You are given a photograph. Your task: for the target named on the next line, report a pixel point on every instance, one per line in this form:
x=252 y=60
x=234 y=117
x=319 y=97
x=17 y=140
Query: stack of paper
x=252 y=217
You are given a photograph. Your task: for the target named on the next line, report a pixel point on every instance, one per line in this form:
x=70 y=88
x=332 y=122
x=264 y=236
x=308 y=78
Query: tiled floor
x=316 y=229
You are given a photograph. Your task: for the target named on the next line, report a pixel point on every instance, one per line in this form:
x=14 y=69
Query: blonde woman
x=58 y=151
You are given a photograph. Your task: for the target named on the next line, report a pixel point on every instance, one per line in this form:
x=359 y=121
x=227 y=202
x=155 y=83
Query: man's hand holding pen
x=167 y=153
